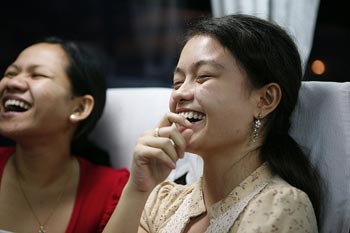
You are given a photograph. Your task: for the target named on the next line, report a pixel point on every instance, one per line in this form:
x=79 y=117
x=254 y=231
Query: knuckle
x=169 y=142
x=159 y=152
x=147 y=132
x=140 y=140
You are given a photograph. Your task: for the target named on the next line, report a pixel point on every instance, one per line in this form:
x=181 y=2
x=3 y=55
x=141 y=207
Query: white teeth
x=193 y=115
x=12 y=102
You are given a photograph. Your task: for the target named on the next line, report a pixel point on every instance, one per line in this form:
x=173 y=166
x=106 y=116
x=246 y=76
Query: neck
x=42 y=165
x=43 y=193
x=222 y=173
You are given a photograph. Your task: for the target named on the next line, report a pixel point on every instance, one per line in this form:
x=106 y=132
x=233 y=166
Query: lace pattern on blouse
x=221 y=224
x=180 y=218
x=224 y=222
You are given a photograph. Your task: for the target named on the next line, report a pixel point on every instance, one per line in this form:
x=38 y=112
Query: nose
x=184 y=93
x=14 y=83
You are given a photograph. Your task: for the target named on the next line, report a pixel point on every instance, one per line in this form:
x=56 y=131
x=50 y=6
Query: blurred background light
x=318 y=67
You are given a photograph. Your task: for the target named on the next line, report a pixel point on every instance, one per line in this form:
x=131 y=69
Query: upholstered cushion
x=129 y=112
x=321 y=125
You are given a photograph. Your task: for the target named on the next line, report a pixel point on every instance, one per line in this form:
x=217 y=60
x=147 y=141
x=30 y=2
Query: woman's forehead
x=43 y=54
x=206 y=50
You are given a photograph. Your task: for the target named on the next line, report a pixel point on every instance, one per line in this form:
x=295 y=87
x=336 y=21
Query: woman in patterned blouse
x=235 y=87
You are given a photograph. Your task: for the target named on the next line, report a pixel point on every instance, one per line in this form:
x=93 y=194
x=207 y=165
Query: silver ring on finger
x=156 y=132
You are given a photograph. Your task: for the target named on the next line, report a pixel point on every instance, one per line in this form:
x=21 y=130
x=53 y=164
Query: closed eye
x=36 y=75
x=203 y=78
x=10 y=74
x=177 y=85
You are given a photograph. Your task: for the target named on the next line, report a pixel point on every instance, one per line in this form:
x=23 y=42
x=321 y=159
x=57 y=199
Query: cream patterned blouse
x=261 y=203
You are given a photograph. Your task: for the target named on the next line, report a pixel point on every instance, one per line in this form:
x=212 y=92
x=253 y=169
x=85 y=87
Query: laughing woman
x=235 y=87
x=51 y=97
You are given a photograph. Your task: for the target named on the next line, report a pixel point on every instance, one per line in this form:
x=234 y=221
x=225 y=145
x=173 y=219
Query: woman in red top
x=50 y=99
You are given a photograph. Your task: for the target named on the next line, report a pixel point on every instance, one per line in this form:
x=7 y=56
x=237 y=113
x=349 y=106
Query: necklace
x=41 y=224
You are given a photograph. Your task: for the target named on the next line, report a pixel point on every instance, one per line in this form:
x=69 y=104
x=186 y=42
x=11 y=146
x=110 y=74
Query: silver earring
x=257 y=124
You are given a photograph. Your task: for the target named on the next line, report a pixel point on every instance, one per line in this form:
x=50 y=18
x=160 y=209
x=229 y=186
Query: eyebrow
x=30 y=67
x=14 y=66
x=198 y=64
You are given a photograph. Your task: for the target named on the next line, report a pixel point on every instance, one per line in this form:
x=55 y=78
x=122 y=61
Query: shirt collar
x=248 y=185
x=260 y=175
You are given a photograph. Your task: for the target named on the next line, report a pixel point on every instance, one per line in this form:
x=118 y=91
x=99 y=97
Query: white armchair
x=320 y=124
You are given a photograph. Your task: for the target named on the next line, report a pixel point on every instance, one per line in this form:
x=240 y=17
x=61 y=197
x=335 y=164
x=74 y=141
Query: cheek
x=2 y=85
x=52 y=99
x=208 y=95
x=172 y=103
x=52 y=91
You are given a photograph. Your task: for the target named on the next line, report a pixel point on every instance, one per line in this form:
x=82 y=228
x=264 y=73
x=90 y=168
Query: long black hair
x=268 y=54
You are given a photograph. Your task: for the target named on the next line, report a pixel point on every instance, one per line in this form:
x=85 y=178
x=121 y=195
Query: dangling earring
x=257 y=124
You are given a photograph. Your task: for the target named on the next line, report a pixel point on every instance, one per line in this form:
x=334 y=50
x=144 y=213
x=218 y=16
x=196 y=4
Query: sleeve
x=120 y=179
x=156 y=210
x=283 y=210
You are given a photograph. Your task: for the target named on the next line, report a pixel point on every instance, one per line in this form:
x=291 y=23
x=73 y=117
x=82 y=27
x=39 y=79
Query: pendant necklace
x=40 y=223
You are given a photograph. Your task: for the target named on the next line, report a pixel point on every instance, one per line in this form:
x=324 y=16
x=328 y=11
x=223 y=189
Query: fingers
x=171 y=118
x=164 y=143
x=171 y=140
x=147 y=153
x=157 y=151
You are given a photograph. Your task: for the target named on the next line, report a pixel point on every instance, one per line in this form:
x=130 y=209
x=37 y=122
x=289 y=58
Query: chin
x=194 y=148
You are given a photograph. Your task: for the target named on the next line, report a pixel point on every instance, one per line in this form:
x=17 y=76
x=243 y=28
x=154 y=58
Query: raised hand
x=157 y=151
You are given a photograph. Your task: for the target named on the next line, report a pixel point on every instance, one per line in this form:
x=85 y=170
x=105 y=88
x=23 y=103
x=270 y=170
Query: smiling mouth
x=13 y=105
x=193 y=116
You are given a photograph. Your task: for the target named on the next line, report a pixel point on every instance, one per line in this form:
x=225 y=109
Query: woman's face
x=35 y=94
x=212 y=89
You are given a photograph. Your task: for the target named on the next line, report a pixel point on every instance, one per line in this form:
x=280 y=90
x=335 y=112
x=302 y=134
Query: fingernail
x=188 y=123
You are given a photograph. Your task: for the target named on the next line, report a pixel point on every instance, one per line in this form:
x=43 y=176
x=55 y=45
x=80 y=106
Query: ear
x=269 y=97
x=83 y=108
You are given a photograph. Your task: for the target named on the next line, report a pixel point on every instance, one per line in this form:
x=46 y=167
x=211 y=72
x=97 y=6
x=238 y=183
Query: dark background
x=141 y=49
x=331 y=41
x=139 y=38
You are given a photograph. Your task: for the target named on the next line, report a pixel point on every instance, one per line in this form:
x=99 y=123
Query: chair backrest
x=320 y=124
x=128 y=112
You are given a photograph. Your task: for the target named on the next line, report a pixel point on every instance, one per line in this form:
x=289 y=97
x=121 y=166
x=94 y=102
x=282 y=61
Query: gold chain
x=41 y=225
